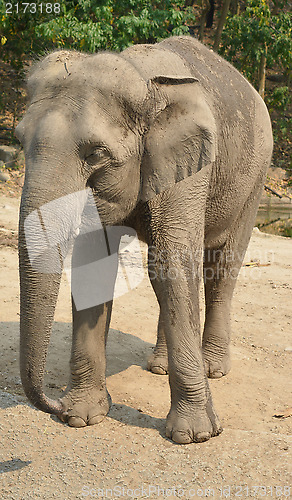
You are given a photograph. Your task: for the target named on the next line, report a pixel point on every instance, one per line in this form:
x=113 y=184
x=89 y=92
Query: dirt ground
x=128 y=455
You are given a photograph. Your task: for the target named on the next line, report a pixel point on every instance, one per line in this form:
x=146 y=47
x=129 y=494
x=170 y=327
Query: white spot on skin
x=239 y=114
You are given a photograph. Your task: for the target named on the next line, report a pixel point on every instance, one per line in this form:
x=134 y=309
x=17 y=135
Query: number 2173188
x=33 y=8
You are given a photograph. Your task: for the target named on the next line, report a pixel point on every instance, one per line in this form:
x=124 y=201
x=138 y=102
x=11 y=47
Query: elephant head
x=96 y=122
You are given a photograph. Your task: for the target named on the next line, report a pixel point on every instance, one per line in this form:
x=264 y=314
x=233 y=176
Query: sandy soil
x=128 y=454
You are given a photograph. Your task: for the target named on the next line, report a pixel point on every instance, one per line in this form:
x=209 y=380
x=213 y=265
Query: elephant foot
x=86 y=407
x=158 y=364
x=197 y=426
x=217 y=364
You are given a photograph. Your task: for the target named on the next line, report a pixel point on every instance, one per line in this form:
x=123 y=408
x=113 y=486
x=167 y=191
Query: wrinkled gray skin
x=175 y=143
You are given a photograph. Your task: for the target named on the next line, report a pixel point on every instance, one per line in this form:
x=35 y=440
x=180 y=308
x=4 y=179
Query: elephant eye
x=98 y=155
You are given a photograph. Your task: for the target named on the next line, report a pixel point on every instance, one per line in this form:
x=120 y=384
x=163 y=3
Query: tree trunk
x=262 y=73
x=210 y=15
x=205 y=10
x=235 y=7
x=225 y=9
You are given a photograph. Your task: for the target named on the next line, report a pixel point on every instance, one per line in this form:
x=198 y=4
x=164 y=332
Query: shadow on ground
x=123 y=351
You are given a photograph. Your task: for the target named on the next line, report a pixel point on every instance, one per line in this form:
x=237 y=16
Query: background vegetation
x=255 y=35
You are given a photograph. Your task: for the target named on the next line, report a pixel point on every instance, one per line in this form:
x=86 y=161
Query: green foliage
x=286 y=228
x=279 y=99
x=108 y=24
x=256 y=31
x=245 y=38
x=89 y=25
x=17 y=31
x=282 y=130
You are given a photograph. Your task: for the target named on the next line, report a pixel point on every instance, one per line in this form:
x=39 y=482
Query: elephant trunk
x=38 y=297
x=45 y=229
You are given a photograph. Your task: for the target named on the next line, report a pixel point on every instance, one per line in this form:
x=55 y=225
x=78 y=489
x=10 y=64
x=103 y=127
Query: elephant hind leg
x=158 y=361
x=221 y=268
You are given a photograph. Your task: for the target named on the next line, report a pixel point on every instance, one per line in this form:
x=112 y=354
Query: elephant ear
x=181 y=135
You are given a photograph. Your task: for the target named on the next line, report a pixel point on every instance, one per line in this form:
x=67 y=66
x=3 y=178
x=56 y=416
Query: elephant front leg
x=86 y=400
x=94 y=269
x=192 y=417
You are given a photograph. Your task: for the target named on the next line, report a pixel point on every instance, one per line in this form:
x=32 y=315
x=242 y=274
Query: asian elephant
x=174 y=143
